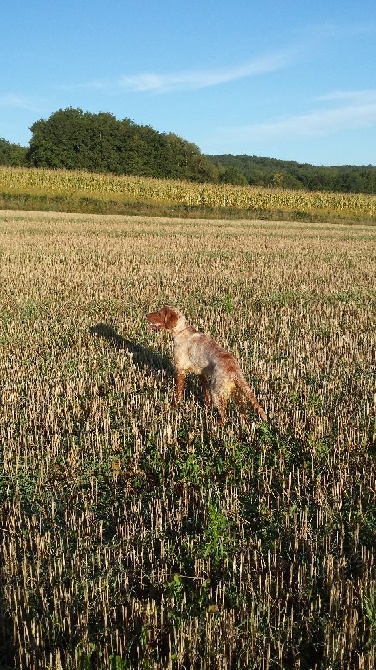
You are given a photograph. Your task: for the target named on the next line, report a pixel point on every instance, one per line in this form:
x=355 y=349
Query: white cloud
x=205 y=78
x=188 y=80
x=368 y=96
x=361 y=112
x=12 y=100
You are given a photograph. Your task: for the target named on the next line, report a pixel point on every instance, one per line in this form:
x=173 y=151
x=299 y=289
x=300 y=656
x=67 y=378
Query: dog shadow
x=146 y=359
x=143 y=357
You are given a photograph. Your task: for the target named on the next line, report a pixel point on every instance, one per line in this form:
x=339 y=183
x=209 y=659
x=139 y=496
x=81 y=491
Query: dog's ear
x=171 y=317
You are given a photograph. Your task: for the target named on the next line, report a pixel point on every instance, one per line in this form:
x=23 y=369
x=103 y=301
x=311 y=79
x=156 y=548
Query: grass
x=138 y=536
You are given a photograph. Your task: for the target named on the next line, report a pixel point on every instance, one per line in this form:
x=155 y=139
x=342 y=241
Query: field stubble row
x=134 y=535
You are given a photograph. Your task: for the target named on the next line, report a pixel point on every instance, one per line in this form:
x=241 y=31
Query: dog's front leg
x=180 y=379
x=206 y=390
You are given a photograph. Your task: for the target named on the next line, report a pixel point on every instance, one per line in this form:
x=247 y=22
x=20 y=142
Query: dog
x=194 y=352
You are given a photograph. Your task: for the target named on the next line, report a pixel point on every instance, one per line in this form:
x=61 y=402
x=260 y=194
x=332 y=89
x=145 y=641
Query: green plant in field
x=86 y=659
x=315 y=401
x=191 y=469
x=218 y=541
x=84 y=654
x=228 y=304
x=118 y=663
x=175 y=593
x=370 y=611
x=321 y=450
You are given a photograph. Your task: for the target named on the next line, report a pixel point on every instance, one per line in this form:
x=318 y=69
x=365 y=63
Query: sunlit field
x=134 y=535
x=78 y=191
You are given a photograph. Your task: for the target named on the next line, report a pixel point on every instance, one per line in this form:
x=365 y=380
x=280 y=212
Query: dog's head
x=166 y=319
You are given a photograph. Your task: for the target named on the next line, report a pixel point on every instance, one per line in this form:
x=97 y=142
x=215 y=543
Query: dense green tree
x=233 y=175
x=196 y=166
x=185 y=161
x=12 y=154
x=73 y=139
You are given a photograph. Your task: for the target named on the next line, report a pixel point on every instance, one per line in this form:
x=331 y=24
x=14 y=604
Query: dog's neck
x=182 y=330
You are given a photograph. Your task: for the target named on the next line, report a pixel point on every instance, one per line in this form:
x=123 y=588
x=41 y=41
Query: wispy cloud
x=12 y=100
x=198 y=79
x=364 y=97
x=358 y=110
x=189 y=79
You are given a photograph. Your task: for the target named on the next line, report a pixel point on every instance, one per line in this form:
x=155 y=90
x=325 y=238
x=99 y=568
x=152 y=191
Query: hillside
x=261 y=171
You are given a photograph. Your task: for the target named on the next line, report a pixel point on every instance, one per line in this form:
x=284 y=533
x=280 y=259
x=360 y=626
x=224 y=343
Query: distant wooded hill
x=76 y=140
x=259 y=171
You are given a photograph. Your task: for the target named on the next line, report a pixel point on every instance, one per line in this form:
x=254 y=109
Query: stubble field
x=138 y=536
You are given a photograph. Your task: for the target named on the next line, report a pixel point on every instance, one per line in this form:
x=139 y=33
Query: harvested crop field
x=134 y=535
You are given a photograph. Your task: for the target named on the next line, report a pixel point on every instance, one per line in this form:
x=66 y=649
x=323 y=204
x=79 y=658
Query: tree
x=232 y=175
x=12 y=154
x=73 y=139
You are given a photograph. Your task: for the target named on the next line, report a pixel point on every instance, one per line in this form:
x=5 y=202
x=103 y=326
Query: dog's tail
x=245 y=392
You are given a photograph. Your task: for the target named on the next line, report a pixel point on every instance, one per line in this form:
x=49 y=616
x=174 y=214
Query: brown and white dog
x=194 y=352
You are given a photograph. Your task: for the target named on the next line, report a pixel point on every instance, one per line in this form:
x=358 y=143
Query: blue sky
x=291 y=79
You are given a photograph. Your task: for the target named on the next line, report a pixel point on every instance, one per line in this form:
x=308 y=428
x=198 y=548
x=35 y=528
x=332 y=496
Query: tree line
x=76 y=140
x=255 y=170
